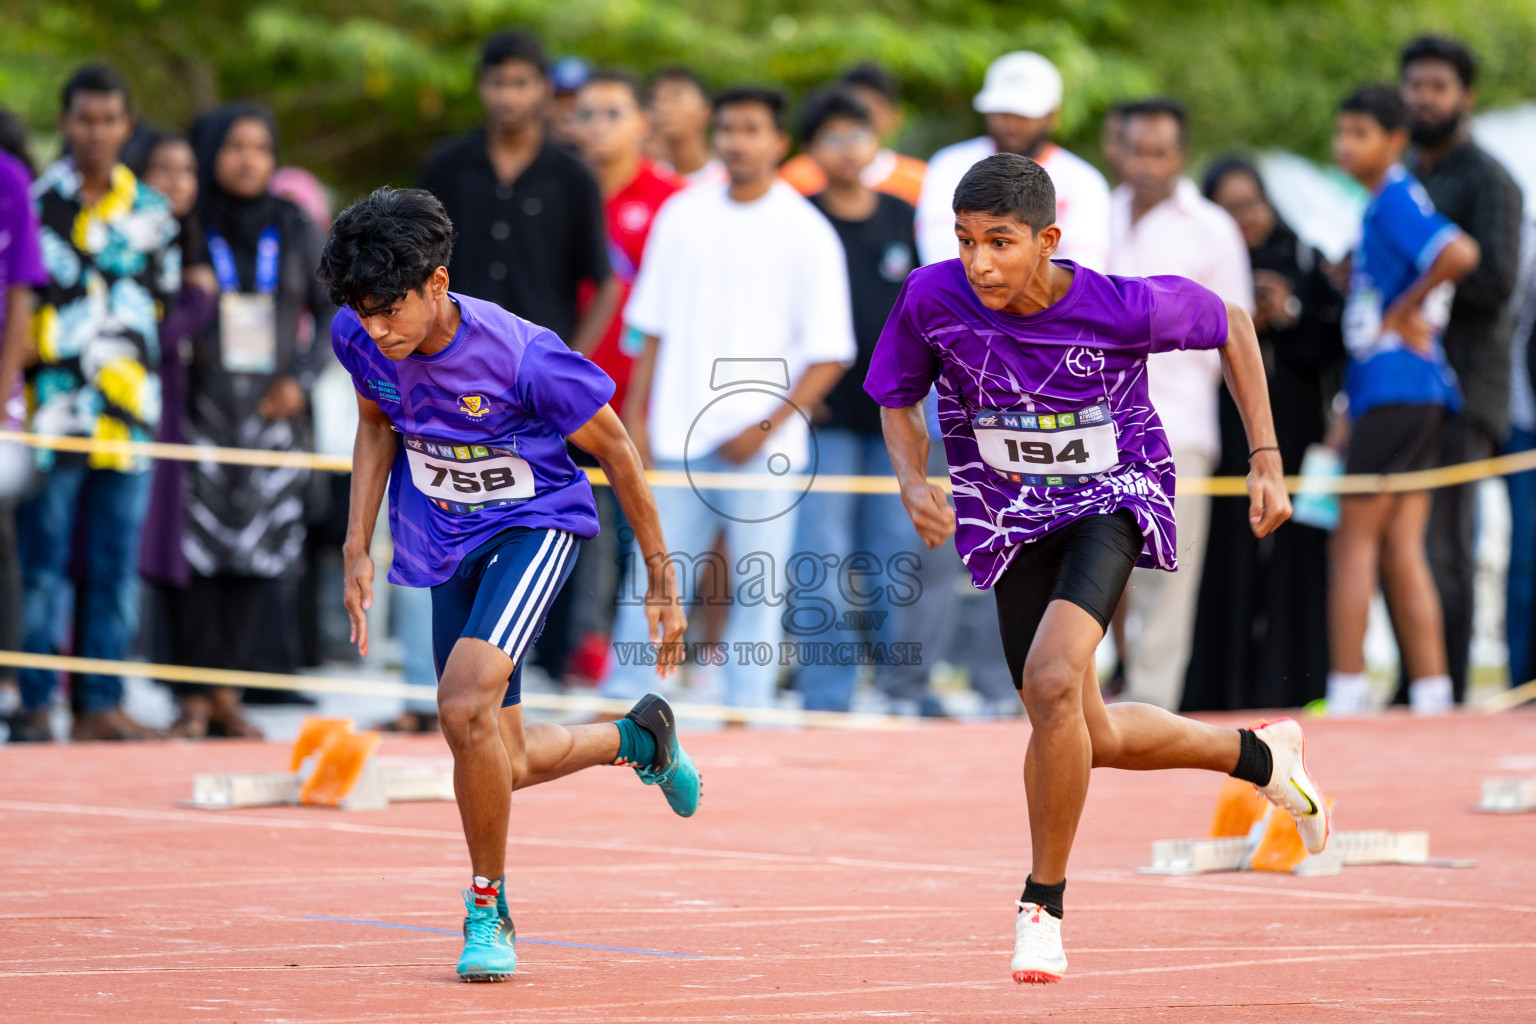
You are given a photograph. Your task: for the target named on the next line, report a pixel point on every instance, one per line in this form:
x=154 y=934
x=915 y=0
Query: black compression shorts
x=1395 y=439
x=1086 y=562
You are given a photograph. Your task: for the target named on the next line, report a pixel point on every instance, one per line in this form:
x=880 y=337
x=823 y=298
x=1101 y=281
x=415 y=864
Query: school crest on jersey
x=474 y=406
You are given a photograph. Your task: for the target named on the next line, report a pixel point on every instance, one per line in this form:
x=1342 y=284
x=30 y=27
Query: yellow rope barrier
x=1505 y=700
x=589 y=705
x=1219 y=486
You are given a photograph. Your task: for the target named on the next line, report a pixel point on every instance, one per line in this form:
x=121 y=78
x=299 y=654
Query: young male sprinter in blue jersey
x=465 y=410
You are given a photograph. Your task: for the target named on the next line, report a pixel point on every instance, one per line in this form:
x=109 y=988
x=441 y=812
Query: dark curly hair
x=384 y=246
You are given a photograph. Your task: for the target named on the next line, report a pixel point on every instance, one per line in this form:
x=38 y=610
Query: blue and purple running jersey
x=482 y=428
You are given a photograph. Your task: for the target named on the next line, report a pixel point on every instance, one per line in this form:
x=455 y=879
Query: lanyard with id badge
x=464 y=478
x=1048 y=449
x=247 y=321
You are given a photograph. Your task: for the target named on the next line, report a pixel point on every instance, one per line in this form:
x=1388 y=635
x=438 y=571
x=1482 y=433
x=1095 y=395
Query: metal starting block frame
x=1508 y=795
x=1345 y=849
x=384 y=780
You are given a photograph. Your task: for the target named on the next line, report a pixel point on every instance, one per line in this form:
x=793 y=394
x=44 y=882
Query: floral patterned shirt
x=111 y=267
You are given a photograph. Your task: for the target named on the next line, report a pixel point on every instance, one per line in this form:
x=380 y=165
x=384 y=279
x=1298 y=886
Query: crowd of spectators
x=159 y=286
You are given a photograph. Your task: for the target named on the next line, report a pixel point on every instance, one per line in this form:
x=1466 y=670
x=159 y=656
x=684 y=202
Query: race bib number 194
x=462 y=478
x=1048 y=449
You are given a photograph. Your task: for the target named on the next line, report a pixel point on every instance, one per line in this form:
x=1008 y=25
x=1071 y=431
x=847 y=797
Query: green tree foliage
x=363 y=87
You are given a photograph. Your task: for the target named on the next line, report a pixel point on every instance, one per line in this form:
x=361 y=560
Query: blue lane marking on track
x=520 y=939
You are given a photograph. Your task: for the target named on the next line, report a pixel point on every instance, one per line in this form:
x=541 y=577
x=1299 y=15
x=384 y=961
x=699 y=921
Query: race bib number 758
x=462 y=478
x=1048 y=449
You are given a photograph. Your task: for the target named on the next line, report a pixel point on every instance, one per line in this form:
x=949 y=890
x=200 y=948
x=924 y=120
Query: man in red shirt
x=612 y=127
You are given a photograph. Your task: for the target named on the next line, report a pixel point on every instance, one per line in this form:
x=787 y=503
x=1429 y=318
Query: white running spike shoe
x=1290 y=787
x=1038 y=958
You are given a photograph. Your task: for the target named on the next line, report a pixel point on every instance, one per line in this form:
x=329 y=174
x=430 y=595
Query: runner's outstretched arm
x=373 y=453
x=1243 y=367
x=906 y=438
x=604 y=438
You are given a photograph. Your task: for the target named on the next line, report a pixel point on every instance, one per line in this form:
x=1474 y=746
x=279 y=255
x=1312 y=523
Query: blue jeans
x=856 y=536
x=114 y=507
x=1520 y=599
x=757 y=552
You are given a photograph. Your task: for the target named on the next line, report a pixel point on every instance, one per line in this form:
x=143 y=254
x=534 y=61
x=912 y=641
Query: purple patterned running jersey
x=482 y=428
x=1045 y=417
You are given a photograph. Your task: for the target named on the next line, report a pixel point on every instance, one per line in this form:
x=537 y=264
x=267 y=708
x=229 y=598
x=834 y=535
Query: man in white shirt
x=1021 y=100
x=1161 y=224
x=742 y=306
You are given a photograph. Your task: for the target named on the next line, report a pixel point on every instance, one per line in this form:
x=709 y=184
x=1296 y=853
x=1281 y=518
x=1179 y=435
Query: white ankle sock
x=1431 y=695
x=1348 y=693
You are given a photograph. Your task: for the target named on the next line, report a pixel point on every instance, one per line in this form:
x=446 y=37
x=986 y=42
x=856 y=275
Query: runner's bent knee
x=1051 y=687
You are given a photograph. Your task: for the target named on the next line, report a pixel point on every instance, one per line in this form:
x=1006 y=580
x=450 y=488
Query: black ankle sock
x=1047 y=896
x=1255 y=763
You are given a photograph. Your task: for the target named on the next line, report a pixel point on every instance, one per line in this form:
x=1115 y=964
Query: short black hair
x=1452 y=51
x=1159 y=106
x=1116 y=109
x=872 y=76
x=1380 y=102
x=761 y=95
x=1008 y=185
x=383 y=246
x=511 y=45
x=95 y=78
x=821 y=107
x=619 y=76
x=678 y=73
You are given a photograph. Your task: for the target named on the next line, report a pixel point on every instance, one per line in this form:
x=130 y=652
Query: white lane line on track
x=1265 y=886
x=1110 y=877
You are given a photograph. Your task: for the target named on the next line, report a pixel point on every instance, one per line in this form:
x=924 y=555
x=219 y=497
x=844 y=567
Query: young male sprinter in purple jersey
x=1062 y=482
x=465 y=410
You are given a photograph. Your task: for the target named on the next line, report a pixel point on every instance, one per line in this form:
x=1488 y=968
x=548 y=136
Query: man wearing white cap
x=1020 y=99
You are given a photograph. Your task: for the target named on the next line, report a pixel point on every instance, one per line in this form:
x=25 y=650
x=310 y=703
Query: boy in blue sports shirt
x=464 y=413
x=1400 y=388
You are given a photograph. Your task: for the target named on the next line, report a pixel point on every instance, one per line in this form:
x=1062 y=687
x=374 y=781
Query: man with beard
x=1476 y=193
x=1021 y=101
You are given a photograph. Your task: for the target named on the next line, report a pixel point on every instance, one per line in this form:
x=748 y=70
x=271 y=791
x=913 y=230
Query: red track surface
x=829 y=876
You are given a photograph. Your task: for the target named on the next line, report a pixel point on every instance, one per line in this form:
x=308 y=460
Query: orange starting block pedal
x=314 y=734
x=343 y=758
x=1249 y=834
x=345 y=771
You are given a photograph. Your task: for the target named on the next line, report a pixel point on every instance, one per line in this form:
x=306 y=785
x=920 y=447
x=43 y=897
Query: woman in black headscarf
x=247 y=385
x=1261 y=631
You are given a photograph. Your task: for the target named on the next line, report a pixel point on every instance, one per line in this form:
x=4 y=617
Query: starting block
x=344 y=771
x=1248 y=834
x=1508 y=796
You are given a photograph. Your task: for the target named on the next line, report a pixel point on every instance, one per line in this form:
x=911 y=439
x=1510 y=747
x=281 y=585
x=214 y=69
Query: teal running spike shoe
x=673 y=769
x=490 y=943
